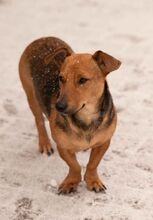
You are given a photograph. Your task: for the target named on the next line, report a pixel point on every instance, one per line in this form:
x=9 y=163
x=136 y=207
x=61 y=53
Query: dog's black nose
x=61 y=105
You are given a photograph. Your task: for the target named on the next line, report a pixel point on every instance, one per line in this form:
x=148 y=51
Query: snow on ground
x=28 y=180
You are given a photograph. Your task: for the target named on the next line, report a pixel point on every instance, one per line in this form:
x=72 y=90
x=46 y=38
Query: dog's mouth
x=66 y=113
x=79 y=109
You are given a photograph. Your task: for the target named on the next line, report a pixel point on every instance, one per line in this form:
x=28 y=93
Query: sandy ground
x=28 y=180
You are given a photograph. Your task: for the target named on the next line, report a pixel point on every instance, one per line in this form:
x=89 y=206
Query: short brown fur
x=72 y=92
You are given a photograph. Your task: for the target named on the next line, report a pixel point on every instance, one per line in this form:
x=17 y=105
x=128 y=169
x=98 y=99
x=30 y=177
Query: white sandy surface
x=28 y=180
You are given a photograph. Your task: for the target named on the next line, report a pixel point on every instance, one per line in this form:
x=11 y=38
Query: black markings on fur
x=105 y=108
x=88 y=137
x=45 y=57
x=63 y=124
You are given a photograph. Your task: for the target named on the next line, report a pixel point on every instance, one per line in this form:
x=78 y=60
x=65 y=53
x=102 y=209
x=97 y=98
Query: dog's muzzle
x=61 y=106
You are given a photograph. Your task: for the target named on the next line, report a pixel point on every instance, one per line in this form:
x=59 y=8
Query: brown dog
x=71 y=90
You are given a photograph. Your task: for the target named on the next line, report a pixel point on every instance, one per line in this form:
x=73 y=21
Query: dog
x=71 y=90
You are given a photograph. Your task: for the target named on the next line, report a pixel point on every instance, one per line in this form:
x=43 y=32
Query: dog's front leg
x=91 y=176
x=73 y=178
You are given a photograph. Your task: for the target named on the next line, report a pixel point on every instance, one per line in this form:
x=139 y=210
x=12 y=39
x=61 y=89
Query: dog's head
x=82 y=80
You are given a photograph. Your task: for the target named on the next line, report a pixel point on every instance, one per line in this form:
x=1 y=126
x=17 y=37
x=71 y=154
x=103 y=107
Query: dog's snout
x=61 y=105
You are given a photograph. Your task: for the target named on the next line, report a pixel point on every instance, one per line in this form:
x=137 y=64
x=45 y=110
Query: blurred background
x=122 y=28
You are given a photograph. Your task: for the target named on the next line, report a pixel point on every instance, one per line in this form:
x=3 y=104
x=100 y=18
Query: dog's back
x=44 y=58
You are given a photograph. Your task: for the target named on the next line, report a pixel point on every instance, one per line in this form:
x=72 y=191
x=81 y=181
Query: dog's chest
x=78 y=141
x=74 y=136
x=70 y=137
x=75 y=141
x=75 y=144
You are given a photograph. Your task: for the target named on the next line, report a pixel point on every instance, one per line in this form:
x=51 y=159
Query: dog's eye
x=61 y=79
x=83 y=81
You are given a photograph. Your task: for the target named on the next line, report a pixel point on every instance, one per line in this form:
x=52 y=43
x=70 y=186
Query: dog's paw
x=66 y=188
x=45 y=147
x=95 y=184
x=69 y=185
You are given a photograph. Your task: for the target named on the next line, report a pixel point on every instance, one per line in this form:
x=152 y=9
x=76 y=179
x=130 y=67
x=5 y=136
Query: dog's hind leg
x=26 y=79
x=91 y=176
x=44 y=142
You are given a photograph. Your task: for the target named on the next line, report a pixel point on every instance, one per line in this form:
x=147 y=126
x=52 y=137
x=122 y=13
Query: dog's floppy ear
x=106 y=62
